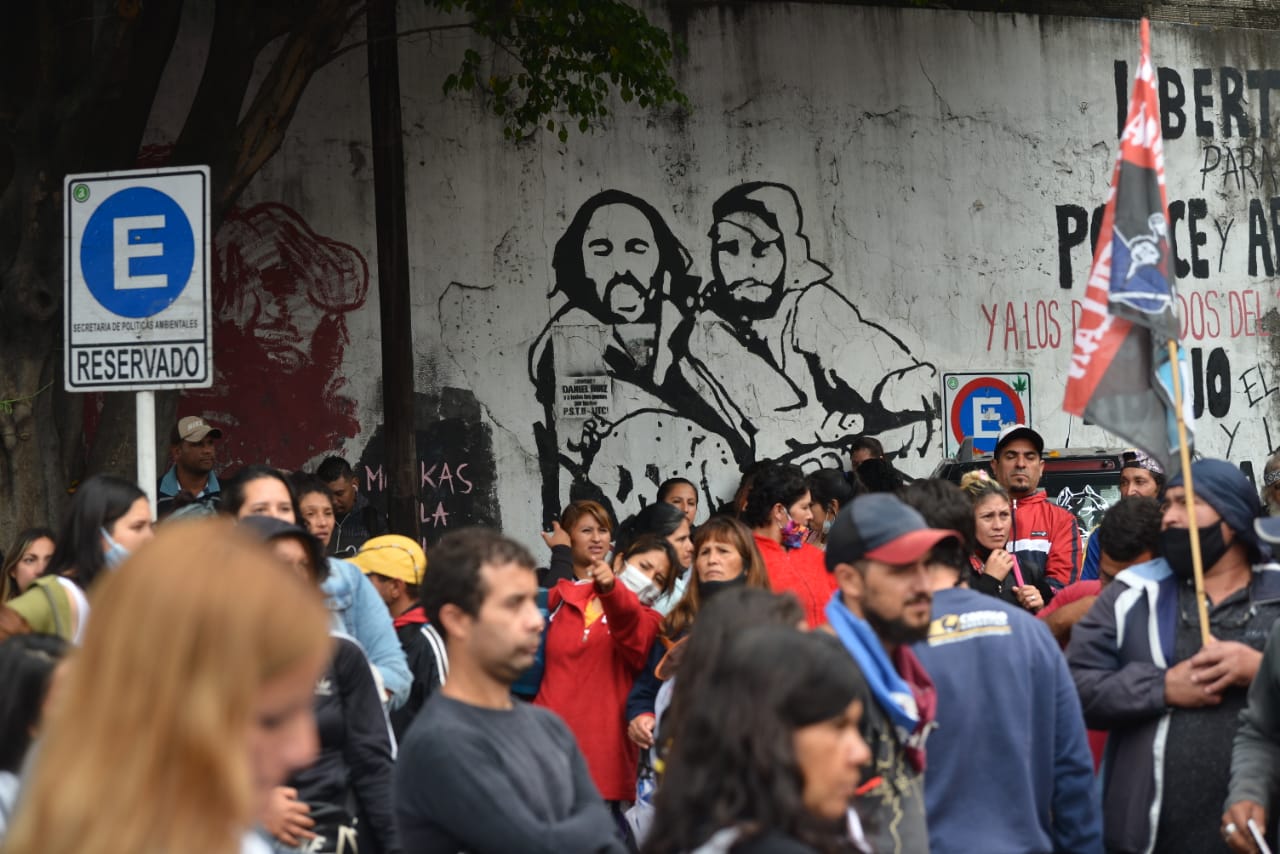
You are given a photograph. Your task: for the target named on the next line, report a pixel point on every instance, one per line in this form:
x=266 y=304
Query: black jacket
x=355 y=764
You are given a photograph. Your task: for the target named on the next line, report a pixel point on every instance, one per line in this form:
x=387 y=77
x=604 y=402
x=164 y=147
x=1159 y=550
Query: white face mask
x=640 y=584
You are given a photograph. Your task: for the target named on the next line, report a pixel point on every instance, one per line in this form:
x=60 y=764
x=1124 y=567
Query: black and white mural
x=742 y=348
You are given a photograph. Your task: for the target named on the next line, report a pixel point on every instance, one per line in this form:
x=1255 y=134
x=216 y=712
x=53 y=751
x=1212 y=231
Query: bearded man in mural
x=625 y=278
x=280 y=300
x=788 y=356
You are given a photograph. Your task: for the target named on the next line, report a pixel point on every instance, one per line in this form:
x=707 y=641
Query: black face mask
x=1175 y=545
x=707 y=589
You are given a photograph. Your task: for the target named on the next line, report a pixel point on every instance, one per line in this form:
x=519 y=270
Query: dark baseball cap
x=1019 y=431
x=881 y=527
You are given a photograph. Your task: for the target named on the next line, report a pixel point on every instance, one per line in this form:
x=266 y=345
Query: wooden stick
x=1189 y=493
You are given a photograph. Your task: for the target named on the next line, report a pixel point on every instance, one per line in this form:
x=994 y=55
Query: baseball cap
x=394 y=556
x=881 y=527
x=193 y=428
x=1019 y=431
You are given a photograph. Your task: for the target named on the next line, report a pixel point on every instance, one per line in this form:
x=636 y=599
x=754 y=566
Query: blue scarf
x=891 y=690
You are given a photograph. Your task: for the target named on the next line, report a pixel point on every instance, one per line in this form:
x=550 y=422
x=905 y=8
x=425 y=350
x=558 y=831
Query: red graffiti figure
x=280 y=297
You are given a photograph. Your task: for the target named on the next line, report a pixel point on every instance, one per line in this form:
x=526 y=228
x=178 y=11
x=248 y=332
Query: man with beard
x=190 y=480
x=877 y=550
x=1271 y=485
x=626 y=281
x=1171 y=704
x=776 y=346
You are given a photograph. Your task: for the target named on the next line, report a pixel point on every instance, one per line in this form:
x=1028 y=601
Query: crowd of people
x=833 y=661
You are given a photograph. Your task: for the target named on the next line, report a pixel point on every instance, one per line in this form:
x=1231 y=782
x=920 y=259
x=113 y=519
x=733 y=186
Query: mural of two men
x=765 y=360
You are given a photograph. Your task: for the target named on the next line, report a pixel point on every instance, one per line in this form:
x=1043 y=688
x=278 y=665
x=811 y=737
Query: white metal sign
x=136 y=261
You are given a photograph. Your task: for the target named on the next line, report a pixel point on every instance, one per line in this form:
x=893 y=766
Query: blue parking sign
x=137 y=253
x=136 y=280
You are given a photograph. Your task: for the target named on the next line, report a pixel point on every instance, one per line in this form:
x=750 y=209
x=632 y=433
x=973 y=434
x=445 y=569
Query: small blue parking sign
x=136 y=278
x=137 y=252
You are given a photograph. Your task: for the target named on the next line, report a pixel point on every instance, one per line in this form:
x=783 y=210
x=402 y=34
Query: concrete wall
x=918 y=183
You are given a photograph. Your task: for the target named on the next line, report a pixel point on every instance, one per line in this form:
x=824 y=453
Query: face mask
x=707 y=589
x=826 y=526
x=1175 y=544
x=115 y=553
x=640 y=584
x=793 y=534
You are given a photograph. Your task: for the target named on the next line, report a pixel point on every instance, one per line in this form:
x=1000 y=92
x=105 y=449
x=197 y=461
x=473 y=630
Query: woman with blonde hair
x=190 y=699
x=996 y=570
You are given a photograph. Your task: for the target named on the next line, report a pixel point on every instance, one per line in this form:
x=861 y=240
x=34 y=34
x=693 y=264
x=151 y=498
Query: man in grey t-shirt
x=479 y=771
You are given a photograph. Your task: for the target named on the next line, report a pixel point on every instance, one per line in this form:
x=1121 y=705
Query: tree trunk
x=394 y=306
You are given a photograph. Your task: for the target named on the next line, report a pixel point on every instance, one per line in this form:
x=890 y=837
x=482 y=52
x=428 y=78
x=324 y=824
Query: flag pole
x=1189 y=493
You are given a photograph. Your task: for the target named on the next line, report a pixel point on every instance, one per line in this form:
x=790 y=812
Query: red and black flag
x=1121 y=376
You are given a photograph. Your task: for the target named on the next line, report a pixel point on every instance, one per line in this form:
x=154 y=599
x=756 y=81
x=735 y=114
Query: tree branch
x=414 y=32
x=262 y=131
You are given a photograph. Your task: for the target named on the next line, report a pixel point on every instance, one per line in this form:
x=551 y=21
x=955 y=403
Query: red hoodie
x=589 y=671
x=801 y=571
x=1045 y=540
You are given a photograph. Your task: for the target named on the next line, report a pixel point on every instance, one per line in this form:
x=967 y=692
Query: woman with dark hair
x=665 y=520
x=597 y=637
x=260 y=490
x=581 y=536
x=829 y=490
x=769 y=753
x=736 y=609
x=355 y=762
x=683 y=494
x=648 y=566
x=27 y=663
x=27 y=561
x=109 y=517
x=315 y=505
x=778 y=514
x=864 y=448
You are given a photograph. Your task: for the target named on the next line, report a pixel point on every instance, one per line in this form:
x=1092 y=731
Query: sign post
x=136 y=289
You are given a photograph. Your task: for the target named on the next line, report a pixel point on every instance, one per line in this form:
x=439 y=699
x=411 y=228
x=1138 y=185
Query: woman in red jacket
x=597 y=639
x=778 y=514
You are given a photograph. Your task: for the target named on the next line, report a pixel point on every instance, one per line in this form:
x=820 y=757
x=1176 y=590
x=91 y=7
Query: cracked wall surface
x=862 y=200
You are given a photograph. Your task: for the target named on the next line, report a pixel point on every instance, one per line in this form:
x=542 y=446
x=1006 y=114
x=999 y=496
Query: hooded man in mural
x=280 y=304
x=788 y=357
x=627 y=285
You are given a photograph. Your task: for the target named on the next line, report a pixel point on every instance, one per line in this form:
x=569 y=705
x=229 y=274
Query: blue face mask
x=115 y=553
